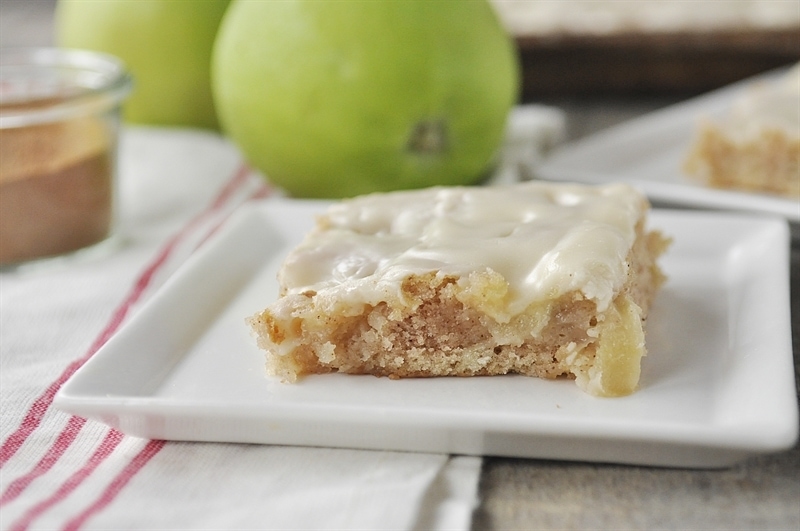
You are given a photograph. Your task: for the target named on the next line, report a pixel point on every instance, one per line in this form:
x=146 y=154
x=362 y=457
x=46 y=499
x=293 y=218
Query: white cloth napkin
x=62 y=472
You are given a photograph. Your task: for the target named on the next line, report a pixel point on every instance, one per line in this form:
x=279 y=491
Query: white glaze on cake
x=545 y=239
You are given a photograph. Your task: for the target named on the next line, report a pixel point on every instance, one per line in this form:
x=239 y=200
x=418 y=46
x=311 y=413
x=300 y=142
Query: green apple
x=166 y=45
x=339 y=98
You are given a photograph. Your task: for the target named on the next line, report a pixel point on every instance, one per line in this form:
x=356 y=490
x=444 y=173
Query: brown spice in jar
x=56 y=188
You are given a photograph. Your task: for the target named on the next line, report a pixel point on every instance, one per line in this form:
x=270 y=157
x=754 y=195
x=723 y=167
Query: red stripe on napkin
x=114 y=437
x=40 y=406
x=116 y=485
x=34 y=415
x=55 y=451
x=106 y=447
x=148 y=452
x=262 y=192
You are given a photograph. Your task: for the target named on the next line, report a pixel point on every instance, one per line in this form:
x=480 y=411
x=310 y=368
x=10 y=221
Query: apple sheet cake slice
x=756 y=147
x=541 y=279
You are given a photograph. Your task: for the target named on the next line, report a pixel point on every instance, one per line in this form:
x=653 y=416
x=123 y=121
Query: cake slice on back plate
x=756 y=146
x=541 y=279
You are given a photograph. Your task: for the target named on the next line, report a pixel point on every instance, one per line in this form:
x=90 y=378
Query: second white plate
x=649 y=152
x=716 y=387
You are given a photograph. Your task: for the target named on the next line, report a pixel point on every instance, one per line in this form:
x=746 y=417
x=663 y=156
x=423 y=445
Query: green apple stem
x=428 y=137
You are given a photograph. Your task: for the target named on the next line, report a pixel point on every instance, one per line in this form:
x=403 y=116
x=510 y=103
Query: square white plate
x=649 y=152
x=717 y=386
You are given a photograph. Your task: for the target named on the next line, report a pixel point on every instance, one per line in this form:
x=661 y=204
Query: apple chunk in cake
x=539 y=279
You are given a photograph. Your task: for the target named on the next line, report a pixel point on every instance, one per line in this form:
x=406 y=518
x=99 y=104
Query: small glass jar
x=59 y=128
